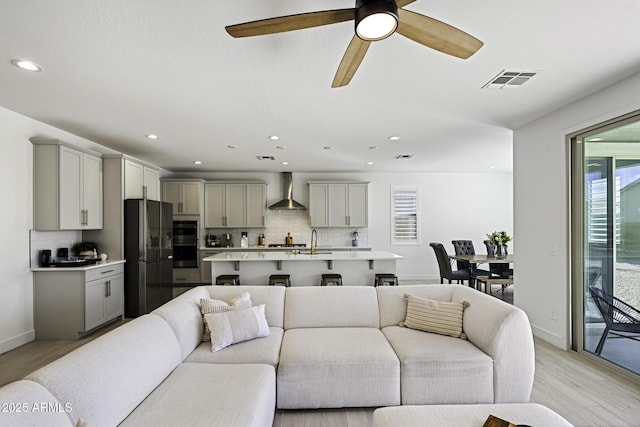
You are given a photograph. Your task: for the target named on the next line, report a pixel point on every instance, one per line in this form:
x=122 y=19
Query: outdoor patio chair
x=621 y=319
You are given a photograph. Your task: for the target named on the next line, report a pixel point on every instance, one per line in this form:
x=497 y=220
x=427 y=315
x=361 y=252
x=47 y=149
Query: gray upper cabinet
x=234 y=204
x=67 y=187
x=185 y=196
x=141 y=181
x=338 y=204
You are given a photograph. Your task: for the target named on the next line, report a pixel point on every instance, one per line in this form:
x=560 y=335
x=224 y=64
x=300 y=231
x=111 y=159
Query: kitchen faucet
x=314 y=241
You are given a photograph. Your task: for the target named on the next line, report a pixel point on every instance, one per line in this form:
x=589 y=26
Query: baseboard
x=548 y=336
x=17 y=341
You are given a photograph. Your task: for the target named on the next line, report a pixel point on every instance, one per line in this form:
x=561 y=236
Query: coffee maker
x=227 y=240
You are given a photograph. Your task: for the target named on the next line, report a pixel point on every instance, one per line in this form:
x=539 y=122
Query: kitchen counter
x=254 y=268
x=283 y=249
x=99 y=264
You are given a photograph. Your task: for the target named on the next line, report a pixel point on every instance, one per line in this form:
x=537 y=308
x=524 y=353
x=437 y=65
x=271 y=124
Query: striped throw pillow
x=444 y=318
x=217 y=306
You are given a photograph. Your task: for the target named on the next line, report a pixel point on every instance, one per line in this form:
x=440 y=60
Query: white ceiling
x=117 y=70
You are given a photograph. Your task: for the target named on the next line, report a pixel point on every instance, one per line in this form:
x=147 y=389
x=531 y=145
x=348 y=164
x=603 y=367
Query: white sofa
x=330 y=347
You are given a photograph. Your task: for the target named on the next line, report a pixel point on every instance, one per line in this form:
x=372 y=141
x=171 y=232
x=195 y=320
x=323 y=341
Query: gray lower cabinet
x=205 y=267
x=68 y=304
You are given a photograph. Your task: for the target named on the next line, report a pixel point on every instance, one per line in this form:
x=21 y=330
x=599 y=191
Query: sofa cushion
x=201 y=394
x=211 y=305
x=236 y=326
x=108 y=377
x=30 y=404
x=183 y=315
x=337 y=367
x=328 y=306
x=265 y=350
x=271 y=296
x=440 y=369
x=531 y=414
x=502 y=331
x=439 y=317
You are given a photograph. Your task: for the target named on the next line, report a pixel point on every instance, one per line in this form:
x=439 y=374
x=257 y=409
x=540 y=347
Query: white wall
x=541 y=206
x=16 y=287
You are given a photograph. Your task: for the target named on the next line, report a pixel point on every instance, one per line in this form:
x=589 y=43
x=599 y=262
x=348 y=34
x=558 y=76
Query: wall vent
x=403 y=156
x=510 y=79
x=266 y=157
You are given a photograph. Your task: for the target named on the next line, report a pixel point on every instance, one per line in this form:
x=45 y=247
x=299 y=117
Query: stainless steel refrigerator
x=148 y=250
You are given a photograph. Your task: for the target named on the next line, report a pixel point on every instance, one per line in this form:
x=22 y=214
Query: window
x=405 y=215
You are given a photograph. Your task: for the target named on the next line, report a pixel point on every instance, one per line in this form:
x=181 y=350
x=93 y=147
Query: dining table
x=474 y=259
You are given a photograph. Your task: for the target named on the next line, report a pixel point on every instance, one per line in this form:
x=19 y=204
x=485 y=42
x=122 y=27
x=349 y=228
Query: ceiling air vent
x=510 y=79
x=266 y=157
x=403 y=156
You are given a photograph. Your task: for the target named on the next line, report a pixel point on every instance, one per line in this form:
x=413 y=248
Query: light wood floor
x=582 y=392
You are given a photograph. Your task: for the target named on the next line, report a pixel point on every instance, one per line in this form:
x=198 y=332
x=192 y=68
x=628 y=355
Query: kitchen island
x=305 y=269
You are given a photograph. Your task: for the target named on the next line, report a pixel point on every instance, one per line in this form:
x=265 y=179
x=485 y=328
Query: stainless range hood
x=287 y=202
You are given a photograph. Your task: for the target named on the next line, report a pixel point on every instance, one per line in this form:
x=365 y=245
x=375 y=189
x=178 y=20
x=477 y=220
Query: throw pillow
x=208 y=305
x=444 y=318
x=234 y=326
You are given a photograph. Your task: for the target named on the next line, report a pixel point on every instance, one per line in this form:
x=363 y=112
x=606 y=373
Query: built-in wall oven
x=185 y=244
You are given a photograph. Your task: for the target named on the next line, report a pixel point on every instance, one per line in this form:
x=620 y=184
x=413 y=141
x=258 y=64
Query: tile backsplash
x=50 y=240
x=279 y=223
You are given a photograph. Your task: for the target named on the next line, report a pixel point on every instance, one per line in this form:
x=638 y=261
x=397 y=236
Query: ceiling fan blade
x=437 y=35
x=403 y=3
x=282 y=24
x=350 y=61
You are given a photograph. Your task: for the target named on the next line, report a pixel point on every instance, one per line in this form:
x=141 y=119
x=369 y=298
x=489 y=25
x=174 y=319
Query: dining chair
x=444 y=264
x=497 y=268
x=618 y=317
x=465 y=247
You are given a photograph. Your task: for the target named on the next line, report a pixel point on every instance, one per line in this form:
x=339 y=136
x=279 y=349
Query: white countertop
x=291 y=256
x=283 y=249
x=99 y=264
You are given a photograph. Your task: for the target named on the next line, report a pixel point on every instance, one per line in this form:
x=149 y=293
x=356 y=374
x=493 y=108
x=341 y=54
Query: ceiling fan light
x=376 y=19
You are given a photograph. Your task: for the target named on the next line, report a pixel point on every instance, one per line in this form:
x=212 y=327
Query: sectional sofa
x=328 y=347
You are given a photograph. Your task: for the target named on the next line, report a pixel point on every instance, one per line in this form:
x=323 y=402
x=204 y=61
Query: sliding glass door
x=606 y=242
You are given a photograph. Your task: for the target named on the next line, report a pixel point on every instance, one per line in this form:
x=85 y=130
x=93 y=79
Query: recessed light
x=373 y=148
x=152 y=136
x=274 y=137
x=232 y=146
x=197 y=162
x=394 y=138
x=26 y=65
x=369 y=163
x=492 y=167
x=284 y=163
x=280 y=147
x=327 y=147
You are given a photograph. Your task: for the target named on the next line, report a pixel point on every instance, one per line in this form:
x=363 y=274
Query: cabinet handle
x=109 y=287
x=106 y=289
x=106 y=271
x=86 y=217
x=179 y=206
x=180 y=279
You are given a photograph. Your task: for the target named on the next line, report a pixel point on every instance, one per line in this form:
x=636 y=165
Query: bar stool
x=228 y=279
x=331 y=279
x=280 y=279
x=383 y=279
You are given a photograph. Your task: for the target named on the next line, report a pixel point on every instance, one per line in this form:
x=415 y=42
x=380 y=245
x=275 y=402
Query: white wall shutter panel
x=405 y=215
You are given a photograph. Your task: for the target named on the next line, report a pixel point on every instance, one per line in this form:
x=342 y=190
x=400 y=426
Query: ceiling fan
x=374 y=20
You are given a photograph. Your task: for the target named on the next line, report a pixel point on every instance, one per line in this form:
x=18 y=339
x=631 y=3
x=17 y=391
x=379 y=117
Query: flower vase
x=501 y=251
